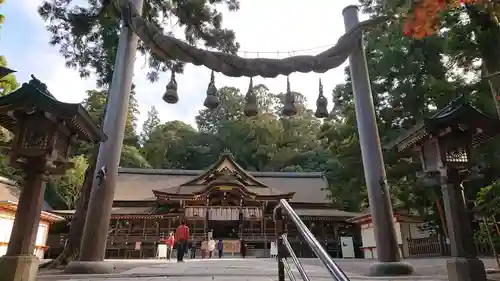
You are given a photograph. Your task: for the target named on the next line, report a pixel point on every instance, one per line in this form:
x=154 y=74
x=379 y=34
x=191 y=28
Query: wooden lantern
x=445 y=139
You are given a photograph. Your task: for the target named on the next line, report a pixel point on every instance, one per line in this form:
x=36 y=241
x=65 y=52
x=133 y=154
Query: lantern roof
x=35 y=96
x=457 y=115
x=4 y=71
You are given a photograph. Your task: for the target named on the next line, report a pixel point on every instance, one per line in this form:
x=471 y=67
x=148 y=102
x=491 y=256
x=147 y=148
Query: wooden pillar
x=128 y=235
x=279 y=230
x=117 y=226
x=19 y=263
x=143 y=237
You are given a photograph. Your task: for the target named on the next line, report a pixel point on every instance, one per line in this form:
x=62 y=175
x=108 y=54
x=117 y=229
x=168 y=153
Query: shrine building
x=224 y=201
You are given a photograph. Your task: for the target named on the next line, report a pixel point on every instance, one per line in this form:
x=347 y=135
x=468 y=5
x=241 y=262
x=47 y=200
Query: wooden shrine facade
x=224 y=201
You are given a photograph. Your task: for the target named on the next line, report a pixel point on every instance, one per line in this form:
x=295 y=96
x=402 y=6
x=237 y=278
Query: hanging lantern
x=170 y=95
x=321 y=103
x=289 y=108
x=251 y=101
x=211 y=101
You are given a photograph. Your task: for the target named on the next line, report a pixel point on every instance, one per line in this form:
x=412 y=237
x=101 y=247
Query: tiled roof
x=9 y=191
x=114 y=211
x=325 y=213
x=138 y=184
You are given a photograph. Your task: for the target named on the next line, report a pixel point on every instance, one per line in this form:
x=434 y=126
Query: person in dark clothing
x=243 y=248
x=181 y=236
x=220 y=247
x=193 y=249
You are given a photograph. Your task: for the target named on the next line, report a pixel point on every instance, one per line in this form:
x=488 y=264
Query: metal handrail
x=310 y=239
x=295 y=260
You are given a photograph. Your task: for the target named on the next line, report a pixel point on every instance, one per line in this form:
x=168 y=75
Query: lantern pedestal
x=89 y=267
x=464 y=266
x=19 y=263
x=390 y=269
x=19 y=268
x=465 y=269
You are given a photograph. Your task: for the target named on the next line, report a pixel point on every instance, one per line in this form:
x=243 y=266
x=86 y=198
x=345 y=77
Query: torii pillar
x=389 y=260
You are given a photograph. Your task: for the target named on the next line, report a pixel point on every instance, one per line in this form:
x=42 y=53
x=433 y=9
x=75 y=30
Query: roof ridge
x=181 y=172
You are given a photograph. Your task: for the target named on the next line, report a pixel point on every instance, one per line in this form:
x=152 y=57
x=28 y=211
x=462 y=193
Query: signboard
x=231 y=246
x=226 y=188
x=347 y=246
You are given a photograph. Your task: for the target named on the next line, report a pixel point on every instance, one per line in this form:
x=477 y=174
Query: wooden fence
x=437 y=246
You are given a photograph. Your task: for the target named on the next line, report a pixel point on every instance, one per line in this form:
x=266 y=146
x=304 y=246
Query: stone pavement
x=244 y=270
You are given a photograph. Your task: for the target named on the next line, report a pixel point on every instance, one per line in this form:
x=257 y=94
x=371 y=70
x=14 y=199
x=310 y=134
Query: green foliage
x=150 y=124
x=87 y=36
x=9 y=82
x=66 y=188
x=95 y=104
x=488 y=199
x=131 y=157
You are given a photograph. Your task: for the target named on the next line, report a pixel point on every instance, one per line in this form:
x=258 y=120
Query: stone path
x=239 y=270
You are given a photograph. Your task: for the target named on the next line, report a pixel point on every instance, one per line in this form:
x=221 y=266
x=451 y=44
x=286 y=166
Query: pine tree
x=150 y=124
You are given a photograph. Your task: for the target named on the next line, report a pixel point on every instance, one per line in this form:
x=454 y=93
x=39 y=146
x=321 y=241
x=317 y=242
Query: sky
x=272 y=29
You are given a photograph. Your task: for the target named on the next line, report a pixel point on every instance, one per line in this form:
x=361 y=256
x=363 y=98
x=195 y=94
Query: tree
x=68 y=186
x=87 y=36
x=423 y=18
x=72 y=247
x=230 y=108
x=409 y=81
x=95 y=103
x=131 y=157
x=9 y=82
x=150 y=124
x=177 y=145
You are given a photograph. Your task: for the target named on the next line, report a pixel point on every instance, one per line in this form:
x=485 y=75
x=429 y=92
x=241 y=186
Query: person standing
x=193 y=249
x=181 y=236
x=170 y=245
x=211 y=247
x=243 y=248
x=220 y=248
x=204 y=247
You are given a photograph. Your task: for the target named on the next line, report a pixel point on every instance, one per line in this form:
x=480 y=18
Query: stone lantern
x=44 y=130
x=443 y=143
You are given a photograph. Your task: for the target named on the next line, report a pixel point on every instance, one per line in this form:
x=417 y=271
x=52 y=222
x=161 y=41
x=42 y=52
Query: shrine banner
x=231 y=246
x=224 y=214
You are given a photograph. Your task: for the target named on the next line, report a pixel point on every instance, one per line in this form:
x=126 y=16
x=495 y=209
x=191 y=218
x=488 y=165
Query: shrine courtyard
x=236 y=269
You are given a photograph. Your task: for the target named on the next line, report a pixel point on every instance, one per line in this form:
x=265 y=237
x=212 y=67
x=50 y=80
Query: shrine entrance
x=224 y=222
x=224 y=229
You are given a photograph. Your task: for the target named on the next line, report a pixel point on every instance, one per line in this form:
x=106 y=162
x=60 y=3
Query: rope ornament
x=171 y=95
x=289 y=108
x=321 y=103
x=211 y=101
x=170 y=48
x=251 y=107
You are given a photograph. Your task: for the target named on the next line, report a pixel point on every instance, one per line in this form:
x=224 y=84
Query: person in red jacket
x=181 y=236
x=170 y=242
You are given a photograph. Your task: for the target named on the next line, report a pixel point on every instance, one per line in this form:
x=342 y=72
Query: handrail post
x=278 y=231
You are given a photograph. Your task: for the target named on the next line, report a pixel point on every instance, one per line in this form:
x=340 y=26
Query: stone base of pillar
x=390 y=269
x=463 y=269
x=19 y=268
x=89 y=267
